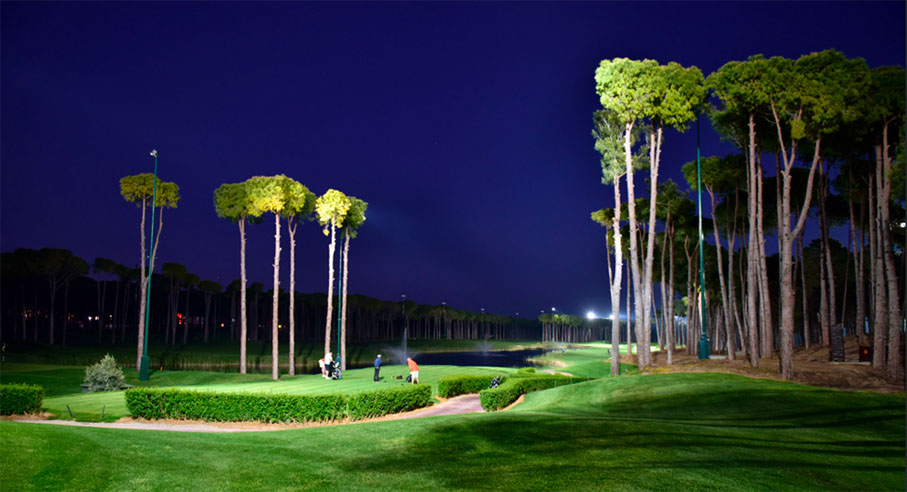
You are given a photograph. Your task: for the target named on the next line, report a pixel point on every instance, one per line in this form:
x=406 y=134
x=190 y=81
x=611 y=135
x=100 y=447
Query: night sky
x=465 y=126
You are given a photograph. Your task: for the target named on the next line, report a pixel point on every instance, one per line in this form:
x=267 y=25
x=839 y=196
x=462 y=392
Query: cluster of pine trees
x=833 y=128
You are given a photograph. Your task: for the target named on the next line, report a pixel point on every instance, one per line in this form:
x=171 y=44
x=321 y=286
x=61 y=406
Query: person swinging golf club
x=413 y=370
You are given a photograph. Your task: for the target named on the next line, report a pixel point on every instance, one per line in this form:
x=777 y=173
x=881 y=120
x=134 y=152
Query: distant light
x=903 y=225
x=552 y=310
x=613 y=316
x=590 y=315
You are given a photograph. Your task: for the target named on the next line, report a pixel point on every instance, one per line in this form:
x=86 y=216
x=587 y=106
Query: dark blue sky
x=466 y=126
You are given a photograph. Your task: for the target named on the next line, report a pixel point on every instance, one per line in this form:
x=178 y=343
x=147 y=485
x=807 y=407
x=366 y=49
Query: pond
x=498 y=358
x=502 y=358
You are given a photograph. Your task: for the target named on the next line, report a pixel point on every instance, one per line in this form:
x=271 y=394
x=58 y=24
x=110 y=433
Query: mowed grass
x=592 y=360
x=89 y=407
x=650 y=432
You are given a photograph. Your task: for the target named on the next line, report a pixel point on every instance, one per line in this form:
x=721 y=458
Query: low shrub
x=509 y=391
x=160 y=403
x=19 y=399
x=451 y=386
x=104 y=376
x=387 y=401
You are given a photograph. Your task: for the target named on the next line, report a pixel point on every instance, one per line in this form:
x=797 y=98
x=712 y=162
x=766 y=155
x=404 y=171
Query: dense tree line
x=104 y=310
x=833 y=128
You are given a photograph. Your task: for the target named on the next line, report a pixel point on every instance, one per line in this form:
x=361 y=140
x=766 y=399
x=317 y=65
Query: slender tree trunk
x=807 y=338
x=860 y=325
x=144 y=285
x=291 y=230
x=346 y=265
x=243 y=323
x=788 y=295
x=731 y=346
x=752 y=290
x=330 y=307
x=879 y=318
x=650 y=248
x=895 y=364
x=670 y=300
x=765 y=318
x=826 y=282
x=275 y=373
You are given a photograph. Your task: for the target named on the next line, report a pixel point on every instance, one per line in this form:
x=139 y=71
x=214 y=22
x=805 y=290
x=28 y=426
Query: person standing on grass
x=328 y=361
x=413 y=370
x=324 y=371
x=377 y=367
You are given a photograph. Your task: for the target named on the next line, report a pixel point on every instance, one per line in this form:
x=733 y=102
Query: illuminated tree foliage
x=140 y=189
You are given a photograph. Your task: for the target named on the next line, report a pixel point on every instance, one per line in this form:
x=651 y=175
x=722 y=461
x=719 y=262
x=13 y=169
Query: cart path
x=457 y=405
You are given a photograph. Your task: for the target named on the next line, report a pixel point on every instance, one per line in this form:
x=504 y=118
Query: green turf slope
x=656 y=432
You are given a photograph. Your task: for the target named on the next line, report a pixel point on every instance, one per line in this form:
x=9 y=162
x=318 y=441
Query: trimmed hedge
x=512 y=389
x=451 y=386
x=387 y=401
x=19 y=399
x=160 y=403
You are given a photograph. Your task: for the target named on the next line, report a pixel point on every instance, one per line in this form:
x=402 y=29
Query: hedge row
x=159 y=403
x=451 y=386
x=19 y=399
x=513 y=388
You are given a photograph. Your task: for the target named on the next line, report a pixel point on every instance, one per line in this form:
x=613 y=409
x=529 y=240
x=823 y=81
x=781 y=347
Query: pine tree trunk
x=291 y=231
x=879 y=315
x=243 y=323
x=346 y=264
x=275 y=318
x=807 y=336
x=330 y=307
x=895 y=364
x=144 y=285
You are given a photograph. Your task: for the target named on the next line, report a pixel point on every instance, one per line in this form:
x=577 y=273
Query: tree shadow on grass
x=548 y=452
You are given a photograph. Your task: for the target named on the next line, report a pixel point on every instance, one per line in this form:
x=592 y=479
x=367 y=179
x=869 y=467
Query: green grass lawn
x=593 y=360
x=63 y=383
x=636 y=432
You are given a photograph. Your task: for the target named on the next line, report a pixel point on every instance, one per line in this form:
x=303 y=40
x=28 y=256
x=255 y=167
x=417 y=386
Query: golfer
x=377 y=367
x=413 y=370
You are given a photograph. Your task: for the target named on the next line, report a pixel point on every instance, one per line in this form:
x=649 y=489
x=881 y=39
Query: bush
x=387 y=401
x=104 y=376
x=19 y=399
x=512 y=389
x=451 y=386
x=159 y=403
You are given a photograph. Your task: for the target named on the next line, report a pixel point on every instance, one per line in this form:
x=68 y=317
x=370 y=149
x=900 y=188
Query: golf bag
x=495 y=382
x=409 y=378
x=334 y=370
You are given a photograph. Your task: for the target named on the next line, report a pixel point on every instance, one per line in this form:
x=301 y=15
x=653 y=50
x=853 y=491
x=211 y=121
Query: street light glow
x=590 y=315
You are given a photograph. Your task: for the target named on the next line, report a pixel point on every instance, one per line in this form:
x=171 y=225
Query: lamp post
x=143 y=366
x=704 y=346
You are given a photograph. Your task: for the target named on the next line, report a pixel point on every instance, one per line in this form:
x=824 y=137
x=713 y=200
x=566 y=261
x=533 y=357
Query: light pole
x=143 y=366
x=704 y=346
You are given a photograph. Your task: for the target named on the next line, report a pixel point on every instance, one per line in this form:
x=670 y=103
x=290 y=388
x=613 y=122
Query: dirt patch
x=811 y=366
